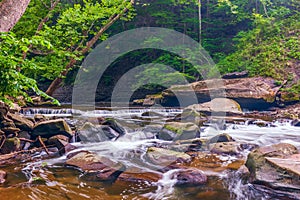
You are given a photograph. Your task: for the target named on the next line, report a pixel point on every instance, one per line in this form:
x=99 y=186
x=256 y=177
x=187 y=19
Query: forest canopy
x=54 y=36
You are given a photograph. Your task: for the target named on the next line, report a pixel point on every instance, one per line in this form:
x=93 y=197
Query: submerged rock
x=95 y=167
x=47 y=129
x=138 y=175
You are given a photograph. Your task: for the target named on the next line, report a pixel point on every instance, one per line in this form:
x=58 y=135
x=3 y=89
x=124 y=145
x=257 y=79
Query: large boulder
x=275 y=166
x=95 y=167
x=179 y=131
x=47 y=129
x=251 y=93
x=217 y=105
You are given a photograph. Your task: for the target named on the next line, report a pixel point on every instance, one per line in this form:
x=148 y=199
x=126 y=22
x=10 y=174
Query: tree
x=81 y=51
x=10 y=13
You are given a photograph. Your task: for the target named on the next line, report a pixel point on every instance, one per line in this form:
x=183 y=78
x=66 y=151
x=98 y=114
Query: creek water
x=55 y=181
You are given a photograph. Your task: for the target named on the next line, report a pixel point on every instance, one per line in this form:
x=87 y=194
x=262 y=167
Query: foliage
x=54 y=34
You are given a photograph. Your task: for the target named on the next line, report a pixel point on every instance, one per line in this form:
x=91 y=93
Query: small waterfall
x=105 y=112
x=165 y=187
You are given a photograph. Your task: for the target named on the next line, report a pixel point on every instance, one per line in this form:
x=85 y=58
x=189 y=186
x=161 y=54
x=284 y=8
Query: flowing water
x=50 y=179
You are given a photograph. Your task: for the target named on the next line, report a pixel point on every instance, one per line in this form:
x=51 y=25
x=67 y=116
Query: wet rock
x=213 y=162
x=24 y=135
x=296 y=122
x=152 y=114
x=10 y=145
x=267 y=168
x=39 y=118
x=21 y=122
x=231 y=148
x=51 y=128
x=217 y=105
x=97 y=133
x=2 y=176
x=112 y=123
x=220 y=138
x=165 y=157
x=191 y=115
x=290 y=163
x=11 y=131
x=137 y=175
x=189 y=177
x=95 y=167
x=61 y=142
x=179 y=131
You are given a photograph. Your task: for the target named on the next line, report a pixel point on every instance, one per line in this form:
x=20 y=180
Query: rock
x=251 y=93
x=14 y=108
x=217 y=105
x=51 y=128
x=230 y=148
x=213 y=162
x=290 y=163
x=234 y=75
x=138 y=102
x=96 y=133
x=21 y=122
x=24 y=134
x=2 y=176
x=295 y=122
x=191 y=115
x=179 y=131
x=112 y=123
x=267 y=167
x=165 y=157
x=152 y=114
x=11 y=131
x=220 y=138
x=189 y=177
x=151 y=100
x=95 y=167
x=137 y=175
x=61 y=142
x=10 y=145
x=3 y=110
x=39 y=118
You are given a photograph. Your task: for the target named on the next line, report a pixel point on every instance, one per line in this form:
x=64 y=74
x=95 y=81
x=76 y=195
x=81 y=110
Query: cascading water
x=131 y=150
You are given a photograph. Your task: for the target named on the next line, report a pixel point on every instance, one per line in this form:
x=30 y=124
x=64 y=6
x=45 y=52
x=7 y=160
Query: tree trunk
x=10 y=13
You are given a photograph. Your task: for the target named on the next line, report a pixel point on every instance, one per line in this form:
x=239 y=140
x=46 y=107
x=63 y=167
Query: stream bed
x=51 y=179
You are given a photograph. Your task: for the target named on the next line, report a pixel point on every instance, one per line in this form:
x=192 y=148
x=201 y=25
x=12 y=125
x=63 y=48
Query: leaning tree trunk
x=10 y=13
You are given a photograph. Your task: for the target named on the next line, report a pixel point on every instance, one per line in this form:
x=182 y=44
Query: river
x=60 y=182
